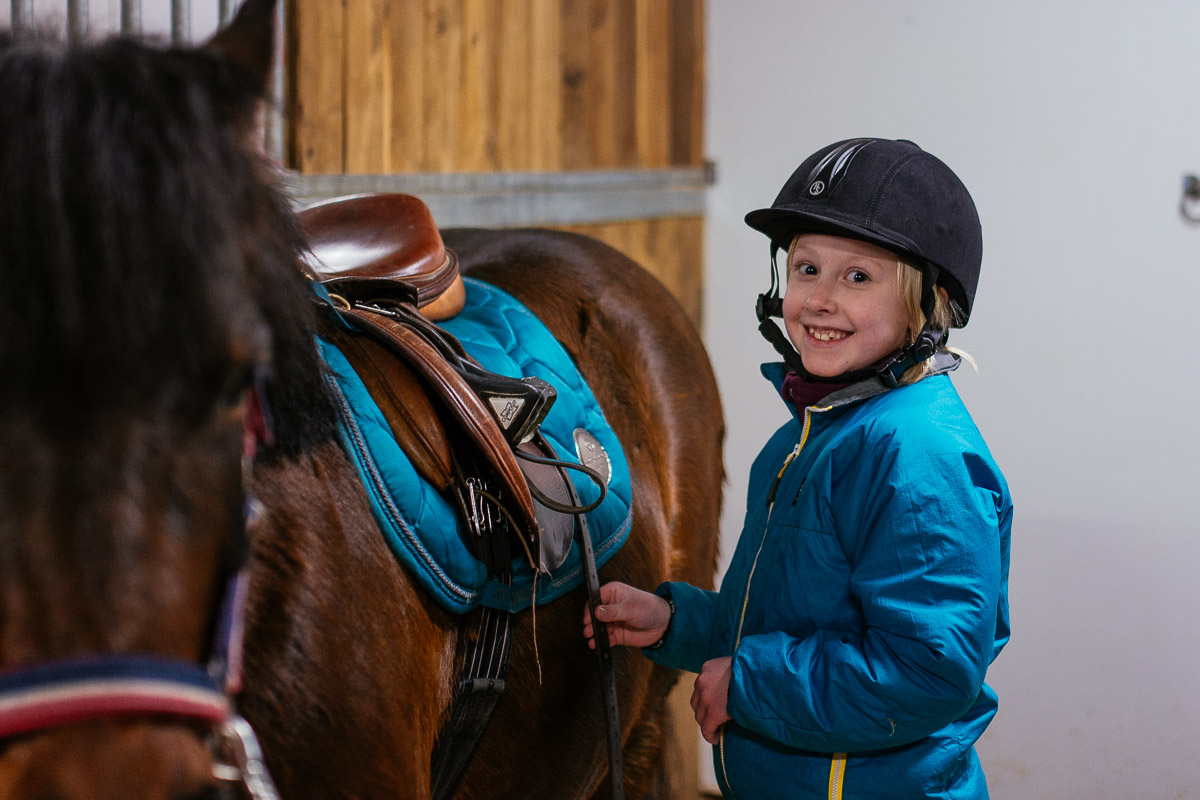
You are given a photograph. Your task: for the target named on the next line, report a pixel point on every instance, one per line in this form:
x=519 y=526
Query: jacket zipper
x=837 y=774
x=754 y=565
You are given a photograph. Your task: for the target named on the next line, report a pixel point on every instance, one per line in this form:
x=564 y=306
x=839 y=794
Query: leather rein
x=65 y=692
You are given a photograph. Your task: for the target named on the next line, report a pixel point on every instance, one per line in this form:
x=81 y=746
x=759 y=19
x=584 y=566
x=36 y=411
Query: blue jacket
x=867 y=596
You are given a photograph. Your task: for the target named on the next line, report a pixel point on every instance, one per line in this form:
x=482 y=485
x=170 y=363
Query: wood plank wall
x=393 y=86
x=396 y=86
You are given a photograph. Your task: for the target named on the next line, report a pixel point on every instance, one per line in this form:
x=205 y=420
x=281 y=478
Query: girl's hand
x=711 y=696
x=633 y=617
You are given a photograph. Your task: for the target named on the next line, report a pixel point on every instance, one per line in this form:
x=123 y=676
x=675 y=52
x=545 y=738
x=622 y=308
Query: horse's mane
x=141 y=239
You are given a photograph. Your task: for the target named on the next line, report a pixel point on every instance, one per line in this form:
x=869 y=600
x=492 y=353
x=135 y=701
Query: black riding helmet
x=890 y=193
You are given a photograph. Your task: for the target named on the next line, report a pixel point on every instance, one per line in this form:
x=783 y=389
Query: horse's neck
x=327 y=599
x=315 y=492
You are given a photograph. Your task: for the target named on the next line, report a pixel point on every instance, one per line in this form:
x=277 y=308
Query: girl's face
x=842 y=306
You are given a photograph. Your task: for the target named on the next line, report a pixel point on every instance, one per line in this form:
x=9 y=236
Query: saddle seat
x=365 y=238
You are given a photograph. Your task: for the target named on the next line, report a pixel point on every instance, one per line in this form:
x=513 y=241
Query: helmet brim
x=781 y=224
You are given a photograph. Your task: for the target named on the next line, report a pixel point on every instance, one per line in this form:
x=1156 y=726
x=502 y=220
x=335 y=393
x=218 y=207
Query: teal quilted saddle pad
x=419 y=525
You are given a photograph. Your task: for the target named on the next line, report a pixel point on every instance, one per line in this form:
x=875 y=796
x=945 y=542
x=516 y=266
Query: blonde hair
x=910 y=285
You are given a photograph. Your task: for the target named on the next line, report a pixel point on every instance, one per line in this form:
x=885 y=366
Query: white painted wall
x=1072 y=123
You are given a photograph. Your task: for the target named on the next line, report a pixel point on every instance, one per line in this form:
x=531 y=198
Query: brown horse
x=152 y=300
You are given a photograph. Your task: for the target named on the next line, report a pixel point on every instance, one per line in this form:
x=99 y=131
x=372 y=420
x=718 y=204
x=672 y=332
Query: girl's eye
x=805 y=269
x=858 y=276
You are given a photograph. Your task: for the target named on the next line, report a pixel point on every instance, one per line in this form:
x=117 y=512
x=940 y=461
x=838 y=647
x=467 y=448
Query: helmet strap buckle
x=768 y=306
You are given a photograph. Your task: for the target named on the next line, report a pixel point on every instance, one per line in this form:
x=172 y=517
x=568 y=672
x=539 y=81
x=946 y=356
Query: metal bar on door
x=22 y=17
x=131 y=17
x=275 y=115
x=77 y=20
x=181 y=22
x=511 y=199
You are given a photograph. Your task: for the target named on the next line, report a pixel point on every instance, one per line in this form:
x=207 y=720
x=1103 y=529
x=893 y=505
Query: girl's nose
x=820 y=298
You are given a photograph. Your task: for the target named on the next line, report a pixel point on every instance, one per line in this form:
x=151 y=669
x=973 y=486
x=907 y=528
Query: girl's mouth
x=827 y=335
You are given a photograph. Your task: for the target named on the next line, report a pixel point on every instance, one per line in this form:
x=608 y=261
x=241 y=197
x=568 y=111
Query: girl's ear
x=248 y=41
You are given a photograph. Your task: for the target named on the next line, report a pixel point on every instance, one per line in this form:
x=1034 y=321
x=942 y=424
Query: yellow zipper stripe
x=754 y=565
x=837 y=774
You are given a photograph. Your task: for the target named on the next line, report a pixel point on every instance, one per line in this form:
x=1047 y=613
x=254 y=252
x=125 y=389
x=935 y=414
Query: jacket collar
x=942 y=362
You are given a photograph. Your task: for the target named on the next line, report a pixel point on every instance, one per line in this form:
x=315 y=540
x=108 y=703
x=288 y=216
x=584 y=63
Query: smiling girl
x=845 y=653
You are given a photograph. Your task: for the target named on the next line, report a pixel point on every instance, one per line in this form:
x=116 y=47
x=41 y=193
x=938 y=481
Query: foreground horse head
x=151 y=311
x=138 y=236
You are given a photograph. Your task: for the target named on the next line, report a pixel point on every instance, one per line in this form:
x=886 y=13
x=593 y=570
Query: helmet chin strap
x=889 y=370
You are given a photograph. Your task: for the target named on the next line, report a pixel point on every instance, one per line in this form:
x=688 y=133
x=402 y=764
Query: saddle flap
x=404 y=403
x=384 y=235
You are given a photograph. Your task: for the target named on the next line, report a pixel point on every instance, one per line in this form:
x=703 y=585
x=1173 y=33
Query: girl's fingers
x=611 y=612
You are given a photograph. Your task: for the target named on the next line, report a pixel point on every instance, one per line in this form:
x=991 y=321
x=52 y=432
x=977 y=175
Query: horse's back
x=643 y=359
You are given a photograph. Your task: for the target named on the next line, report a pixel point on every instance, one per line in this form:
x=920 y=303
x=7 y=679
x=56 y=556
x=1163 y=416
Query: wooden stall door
x=399 y=87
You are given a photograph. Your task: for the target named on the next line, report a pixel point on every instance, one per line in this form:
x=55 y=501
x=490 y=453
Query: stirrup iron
x=518 y=404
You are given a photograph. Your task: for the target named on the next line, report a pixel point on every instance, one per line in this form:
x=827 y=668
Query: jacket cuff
x=663 y=639
x=686 y=642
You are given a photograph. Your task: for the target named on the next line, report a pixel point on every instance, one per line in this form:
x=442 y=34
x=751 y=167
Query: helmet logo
x=832 y=168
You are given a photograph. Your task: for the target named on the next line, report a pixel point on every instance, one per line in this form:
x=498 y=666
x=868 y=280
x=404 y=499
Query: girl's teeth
x=826 y=336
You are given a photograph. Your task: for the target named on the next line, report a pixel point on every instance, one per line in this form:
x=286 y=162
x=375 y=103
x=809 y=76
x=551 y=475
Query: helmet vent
x=830 y=170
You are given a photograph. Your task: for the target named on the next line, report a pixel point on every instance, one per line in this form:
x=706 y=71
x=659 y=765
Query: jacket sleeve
x=687 y=643
x=924 y=542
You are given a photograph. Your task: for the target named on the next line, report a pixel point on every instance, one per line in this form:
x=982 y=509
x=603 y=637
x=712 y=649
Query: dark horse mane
x=118 y=168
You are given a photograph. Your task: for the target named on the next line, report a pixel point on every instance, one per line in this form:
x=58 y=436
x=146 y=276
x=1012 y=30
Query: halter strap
x=56 y=693
x=225 y=664
x=66 y=692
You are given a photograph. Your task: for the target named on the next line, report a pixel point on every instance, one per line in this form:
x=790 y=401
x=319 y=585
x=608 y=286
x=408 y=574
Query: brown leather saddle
x=383 y=261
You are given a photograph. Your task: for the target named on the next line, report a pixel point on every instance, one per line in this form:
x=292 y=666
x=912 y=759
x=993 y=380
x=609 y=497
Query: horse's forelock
x=140 y=242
